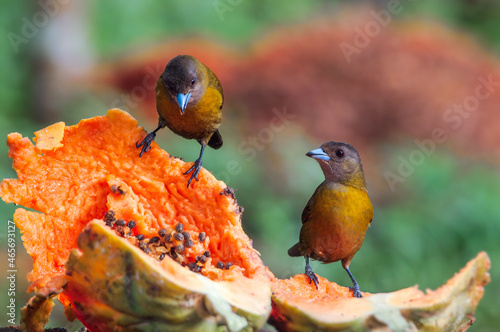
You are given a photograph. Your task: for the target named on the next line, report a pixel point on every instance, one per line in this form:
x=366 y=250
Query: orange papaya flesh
x=92 y=170
x=71 y=183
x=298 y=306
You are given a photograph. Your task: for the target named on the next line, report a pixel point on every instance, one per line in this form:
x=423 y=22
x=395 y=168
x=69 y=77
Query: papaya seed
x=202 y=236
x=109 y=215
x=117 y=189
x=179 y=249
x=120 y=222
x=202 y=259
x=179 y=236
x=173 y=254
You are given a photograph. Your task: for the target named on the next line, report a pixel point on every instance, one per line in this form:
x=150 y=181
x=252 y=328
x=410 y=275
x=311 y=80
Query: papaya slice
x=124 y=245
x=129 y=236
x=298 y=306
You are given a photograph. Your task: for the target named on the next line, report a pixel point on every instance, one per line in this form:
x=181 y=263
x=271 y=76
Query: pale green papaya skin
x=449 y=308
x=114 y=286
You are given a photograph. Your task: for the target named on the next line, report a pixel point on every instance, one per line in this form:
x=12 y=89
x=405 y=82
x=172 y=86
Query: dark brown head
x=185 y=79
x=341 y=163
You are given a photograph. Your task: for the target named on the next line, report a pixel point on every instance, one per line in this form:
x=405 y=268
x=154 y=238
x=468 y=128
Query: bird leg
x=146 y=142
x=196 y=167
x=355 y=287
x=310 y=274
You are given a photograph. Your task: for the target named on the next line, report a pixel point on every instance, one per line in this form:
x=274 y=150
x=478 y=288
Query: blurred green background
x=68 y=60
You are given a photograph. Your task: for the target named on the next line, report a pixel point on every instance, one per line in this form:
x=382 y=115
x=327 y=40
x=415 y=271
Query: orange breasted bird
x=335 y=219
x=189 y=100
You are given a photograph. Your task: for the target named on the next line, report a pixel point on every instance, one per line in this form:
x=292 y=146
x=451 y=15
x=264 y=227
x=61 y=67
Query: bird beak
x=318 y=154
x=183 y=100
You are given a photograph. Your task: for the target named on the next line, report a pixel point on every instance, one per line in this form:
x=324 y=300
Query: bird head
x=341 y=163
x=185 y=80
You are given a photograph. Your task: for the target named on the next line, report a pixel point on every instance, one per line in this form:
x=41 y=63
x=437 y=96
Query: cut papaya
x=298 y=306
x=125 y=245
x=161 y=253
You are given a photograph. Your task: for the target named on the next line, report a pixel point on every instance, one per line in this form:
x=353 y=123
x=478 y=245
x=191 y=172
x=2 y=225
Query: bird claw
x=312 y=276
x=195 y=169
x=356 y=292
x=146 y=143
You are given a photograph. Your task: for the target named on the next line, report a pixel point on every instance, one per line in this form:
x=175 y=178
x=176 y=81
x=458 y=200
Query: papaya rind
x=112 y=284
x=449 y=308
x=35 y=314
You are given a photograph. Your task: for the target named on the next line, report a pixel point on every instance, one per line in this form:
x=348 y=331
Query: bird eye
x=193 y=81
x=339 y=153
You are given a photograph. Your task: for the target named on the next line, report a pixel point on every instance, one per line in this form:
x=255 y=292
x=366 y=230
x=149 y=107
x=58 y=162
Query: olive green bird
x=189 y=101
x=335 y=219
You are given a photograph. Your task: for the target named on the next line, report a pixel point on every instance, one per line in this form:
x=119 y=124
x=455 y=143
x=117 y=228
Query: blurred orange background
x=414 y=86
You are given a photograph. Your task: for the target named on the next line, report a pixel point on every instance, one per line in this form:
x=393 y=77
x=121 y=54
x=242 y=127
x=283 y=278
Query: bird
x=337 y=216
x=189 y=99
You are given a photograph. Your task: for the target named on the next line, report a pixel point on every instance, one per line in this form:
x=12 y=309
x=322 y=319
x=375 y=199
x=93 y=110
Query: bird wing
x=306 y=213
x=213 y=81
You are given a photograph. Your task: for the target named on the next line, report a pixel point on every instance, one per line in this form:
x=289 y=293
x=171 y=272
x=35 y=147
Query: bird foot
x=356 y=292
x=146 y=143
x=312 y=276
x=195 y=169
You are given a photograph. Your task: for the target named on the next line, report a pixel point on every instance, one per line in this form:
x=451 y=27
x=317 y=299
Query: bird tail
x=215 y=141
x=294 y=251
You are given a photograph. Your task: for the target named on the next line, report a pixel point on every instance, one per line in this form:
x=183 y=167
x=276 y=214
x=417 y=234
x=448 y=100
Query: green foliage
x=442 y=215
x=230 y=20
x=478 y=17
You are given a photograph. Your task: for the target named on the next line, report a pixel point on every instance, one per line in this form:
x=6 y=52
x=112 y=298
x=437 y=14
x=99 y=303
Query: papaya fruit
x=124 y=245
x=298 y=306
x=139 y=250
